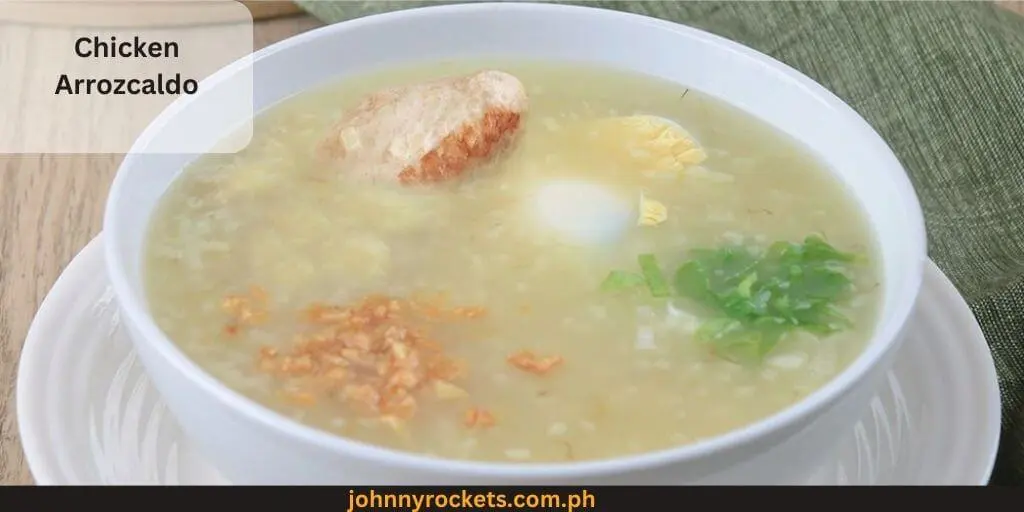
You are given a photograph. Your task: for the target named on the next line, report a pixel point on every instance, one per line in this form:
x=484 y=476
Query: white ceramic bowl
x=253 y=445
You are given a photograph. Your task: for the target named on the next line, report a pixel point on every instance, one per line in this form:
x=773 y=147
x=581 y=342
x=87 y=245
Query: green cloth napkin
x=943 y=83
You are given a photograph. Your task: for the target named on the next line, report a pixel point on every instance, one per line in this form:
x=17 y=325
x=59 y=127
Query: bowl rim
x=811 y=405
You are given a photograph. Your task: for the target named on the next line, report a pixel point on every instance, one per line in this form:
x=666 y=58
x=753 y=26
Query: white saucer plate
x=88 y=414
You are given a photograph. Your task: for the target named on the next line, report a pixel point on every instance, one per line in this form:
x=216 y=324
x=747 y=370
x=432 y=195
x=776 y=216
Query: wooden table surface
x=50 y=207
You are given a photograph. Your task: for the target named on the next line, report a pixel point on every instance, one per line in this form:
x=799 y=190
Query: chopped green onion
x=759 y=296
x=620 y=280
x=755 y=297
x=652 y=274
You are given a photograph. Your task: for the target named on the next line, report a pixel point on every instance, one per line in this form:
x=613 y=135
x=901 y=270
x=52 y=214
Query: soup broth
x=466 y=320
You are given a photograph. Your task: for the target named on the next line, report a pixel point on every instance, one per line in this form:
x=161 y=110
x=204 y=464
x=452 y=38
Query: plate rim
x=993 y=393
x=32 y=351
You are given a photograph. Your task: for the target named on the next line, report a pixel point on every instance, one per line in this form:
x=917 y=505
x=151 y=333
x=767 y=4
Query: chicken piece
x=427 y=132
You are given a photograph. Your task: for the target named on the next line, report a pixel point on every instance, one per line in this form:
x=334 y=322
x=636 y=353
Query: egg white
x=581 y=211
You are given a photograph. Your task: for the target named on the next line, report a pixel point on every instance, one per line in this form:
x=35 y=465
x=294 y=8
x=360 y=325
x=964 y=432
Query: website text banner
x=425 y=499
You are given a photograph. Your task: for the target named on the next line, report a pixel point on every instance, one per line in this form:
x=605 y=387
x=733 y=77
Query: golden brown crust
x=459 y=151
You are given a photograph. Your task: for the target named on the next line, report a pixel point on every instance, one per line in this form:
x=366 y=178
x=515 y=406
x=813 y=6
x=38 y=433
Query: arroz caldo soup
x=514 y=261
